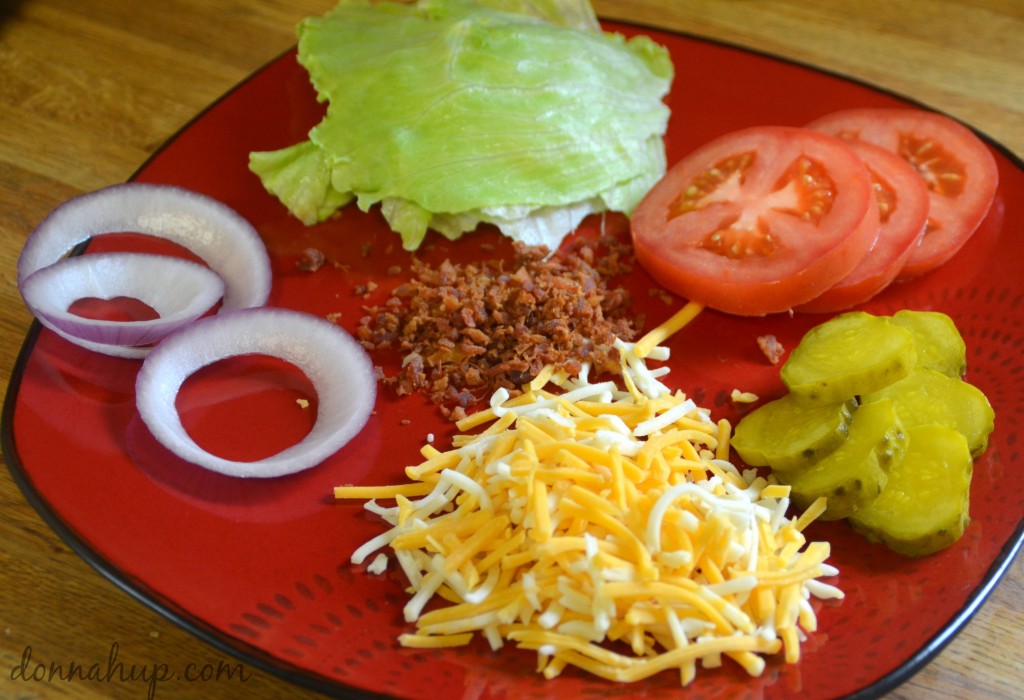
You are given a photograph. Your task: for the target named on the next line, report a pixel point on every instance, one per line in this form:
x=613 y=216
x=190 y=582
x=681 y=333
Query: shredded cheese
x=743 y=396
x=603 y=528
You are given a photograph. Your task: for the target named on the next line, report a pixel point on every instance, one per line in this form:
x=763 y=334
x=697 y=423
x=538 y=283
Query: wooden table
x=89 y=89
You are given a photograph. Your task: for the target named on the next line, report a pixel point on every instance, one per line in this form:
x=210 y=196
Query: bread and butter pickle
x=866 y=395
x=788 y=434
x=925 y=505
x=926 y=397
x=854 y=353
x=937 y=340
x=853 y=475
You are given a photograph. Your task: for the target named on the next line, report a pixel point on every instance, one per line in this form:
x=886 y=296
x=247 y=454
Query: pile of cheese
x=602 y=527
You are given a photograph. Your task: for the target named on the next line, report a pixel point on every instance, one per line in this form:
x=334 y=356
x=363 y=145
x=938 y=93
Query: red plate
x=260 y=568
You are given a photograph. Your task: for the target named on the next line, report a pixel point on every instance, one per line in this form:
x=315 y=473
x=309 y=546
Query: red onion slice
x=180 y=291
x=212 y=230
x=131 y=352
x=338 y=367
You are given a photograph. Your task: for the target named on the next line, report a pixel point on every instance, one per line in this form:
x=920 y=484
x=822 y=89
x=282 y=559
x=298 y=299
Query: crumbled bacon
x=364 y=290
x=465 y=330
x=771 y=348
x=312 y=260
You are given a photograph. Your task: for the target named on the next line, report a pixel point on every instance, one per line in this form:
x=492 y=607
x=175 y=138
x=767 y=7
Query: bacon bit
x=312 y=260
x=394 y=270
x=771 y=348
x=334 y=316
x=661 y=294
x=364 y=290
x=466 y=330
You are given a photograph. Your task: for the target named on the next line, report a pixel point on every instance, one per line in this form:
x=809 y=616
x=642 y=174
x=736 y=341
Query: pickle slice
x=927 y=397
x=852 y=354
x=788 y=434
x=938 y=341
x=925 y=505
x=854 y=474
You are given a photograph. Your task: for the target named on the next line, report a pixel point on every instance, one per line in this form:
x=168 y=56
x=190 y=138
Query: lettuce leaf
x=452 y=113
x=300 y=176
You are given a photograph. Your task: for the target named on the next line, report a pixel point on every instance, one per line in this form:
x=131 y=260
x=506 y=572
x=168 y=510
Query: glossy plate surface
x=260 y=568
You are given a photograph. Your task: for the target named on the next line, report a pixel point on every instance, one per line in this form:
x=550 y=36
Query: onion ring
x=213 y=231
x=337 y=365
x=179 y=290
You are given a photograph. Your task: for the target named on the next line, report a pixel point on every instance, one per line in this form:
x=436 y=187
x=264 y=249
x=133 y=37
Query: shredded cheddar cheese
x=602 y=528
x=743 y=396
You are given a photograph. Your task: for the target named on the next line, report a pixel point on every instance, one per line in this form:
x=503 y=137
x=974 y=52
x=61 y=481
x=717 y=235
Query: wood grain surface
x=90 y=88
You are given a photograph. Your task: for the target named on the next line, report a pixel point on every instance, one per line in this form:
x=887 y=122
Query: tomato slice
x=903 y=205
x=758 y=221
x=958 y=168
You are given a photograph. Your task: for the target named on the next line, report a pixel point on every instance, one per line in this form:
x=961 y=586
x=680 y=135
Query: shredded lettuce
x=452 y=113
